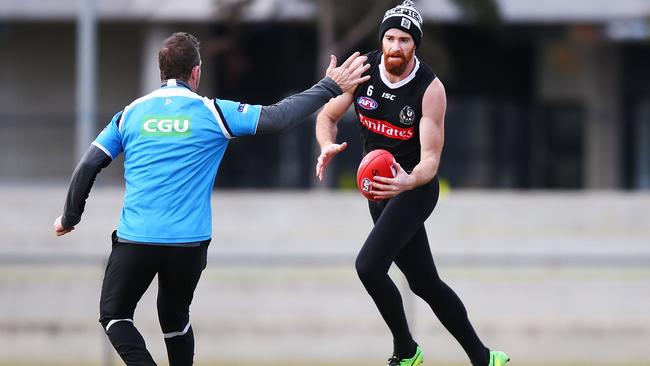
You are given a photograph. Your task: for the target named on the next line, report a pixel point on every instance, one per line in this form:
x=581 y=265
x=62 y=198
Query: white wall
x=37 y=93
x=537 y=271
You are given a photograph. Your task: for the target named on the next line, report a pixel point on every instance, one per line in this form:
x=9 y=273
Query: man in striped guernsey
x=401 y=109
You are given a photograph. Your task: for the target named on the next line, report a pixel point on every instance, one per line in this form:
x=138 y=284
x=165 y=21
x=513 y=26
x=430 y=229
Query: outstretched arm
x=93 y=161
x=294 y=109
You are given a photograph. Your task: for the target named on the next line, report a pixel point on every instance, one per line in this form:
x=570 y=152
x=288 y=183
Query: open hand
x=348 y=75
x=384 y=188
x=326 y=155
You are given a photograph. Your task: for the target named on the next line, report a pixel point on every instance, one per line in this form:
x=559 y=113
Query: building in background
x=554 y=95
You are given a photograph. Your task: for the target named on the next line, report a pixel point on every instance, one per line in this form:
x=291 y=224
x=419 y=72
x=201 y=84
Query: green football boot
x=498 y=358
x=413 y=361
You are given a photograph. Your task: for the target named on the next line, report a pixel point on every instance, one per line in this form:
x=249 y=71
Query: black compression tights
x=399 y=236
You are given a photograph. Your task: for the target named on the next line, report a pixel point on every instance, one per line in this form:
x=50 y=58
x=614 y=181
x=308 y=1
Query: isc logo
x=166 y=126
x=367 y=103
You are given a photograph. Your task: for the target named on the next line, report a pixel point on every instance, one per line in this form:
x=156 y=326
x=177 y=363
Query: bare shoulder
x=435 y=91
x=434 y=101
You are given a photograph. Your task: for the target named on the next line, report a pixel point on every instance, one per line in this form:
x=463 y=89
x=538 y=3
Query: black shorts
x=130 y=270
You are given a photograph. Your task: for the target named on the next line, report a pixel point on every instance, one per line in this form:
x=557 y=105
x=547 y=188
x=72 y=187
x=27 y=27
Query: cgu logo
x=367 y=103
x=166 y=126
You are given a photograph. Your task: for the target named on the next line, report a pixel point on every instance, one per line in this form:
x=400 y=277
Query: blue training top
x=173 y=141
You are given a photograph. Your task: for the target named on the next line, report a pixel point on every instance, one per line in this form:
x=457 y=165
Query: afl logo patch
x=367 y=103
x=407 y=115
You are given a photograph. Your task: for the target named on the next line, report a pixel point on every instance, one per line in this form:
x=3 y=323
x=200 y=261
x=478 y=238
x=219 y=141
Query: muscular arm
x=326 y=130
x=93 y=161
x=294 y=109
x=328 y=118
x=432 y=133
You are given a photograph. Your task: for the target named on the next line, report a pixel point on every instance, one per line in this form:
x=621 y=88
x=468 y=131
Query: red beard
x=396 y=62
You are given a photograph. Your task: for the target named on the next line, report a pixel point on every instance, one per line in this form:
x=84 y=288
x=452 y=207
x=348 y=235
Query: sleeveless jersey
x=389 y=114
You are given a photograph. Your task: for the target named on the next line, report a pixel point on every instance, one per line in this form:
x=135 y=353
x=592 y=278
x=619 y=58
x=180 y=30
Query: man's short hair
x=178 y=55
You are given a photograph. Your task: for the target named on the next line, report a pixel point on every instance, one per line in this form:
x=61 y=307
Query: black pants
x=129 y=272
x=399 y=236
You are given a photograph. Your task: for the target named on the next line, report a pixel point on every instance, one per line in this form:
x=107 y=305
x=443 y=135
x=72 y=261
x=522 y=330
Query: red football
x=376 y=163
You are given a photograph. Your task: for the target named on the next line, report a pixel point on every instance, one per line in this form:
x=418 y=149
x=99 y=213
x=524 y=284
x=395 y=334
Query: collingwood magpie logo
x=407 y=115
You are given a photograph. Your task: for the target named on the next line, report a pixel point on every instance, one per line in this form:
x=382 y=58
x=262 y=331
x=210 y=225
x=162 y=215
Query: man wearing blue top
x=173 y=141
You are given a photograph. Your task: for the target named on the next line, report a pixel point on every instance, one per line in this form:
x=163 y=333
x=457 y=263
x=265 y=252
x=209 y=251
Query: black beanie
x=403 y=17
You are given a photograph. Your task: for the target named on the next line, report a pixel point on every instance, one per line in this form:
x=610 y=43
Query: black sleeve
x=294 y=109
x=93 y=161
